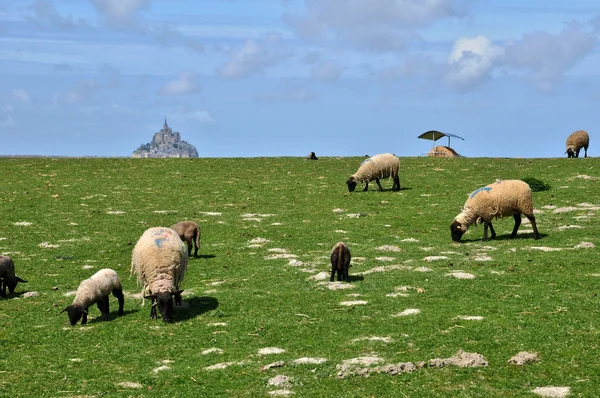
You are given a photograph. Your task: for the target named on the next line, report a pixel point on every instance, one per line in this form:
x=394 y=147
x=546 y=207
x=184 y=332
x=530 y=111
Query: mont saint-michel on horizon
x=166 y=144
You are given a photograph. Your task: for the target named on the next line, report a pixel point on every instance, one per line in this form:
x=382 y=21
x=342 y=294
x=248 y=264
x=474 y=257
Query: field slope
x=260 y=293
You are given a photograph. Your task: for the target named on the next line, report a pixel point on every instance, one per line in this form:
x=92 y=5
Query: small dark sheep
x=95 y=289
x=7 y=276
x=340 y=262
x=312 y=156
x=189 y=232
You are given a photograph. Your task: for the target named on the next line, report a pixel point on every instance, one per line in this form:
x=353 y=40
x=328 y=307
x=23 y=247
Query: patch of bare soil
x=354 y=302
x=523 y=357
x=280 y=381
x=389 y=248
x=280 y=255
x=280 y=393
x=545 y=249
x=461 y=275
x=552 y=392
x=470 y=318
x=461 y=359
x=312 y=361
x=270 y=350
x=384 y=258
x=563 y=227
x=422 y=269
x=213 y=350
x=129 y=384
x=408 y=312
x=584 y=245
x=321 y=276
x=435 y=258
x=565 y=209
x=272 y=365
x=336 y=285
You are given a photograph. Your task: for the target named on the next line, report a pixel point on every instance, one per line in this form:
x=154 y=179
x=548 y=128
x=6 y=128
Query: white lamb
x=160 y=260
x=502 y=198
x=95 y=289
x=384 y=165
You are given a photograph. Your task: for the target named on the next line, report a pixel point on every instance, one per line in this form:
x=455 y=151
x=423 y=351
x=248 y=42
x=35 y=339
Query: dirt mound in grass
x=523 y=357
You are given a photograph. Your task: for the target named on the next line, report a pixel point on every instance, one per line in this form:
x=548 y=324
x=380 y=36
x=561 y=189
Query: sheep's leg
x=378 y=184
x=84 y=316
x=585 y=152
x=2 y=288
x=485 y=230
x=332 y=273
x=517 y=218
x=346 y=276
x=577 y=152
x=531 y=219
x=492 y=230
x=396 y=186
x=118 y=293
x=196 y=244
x=366 y=186
x=153 y=310
x=105 y=308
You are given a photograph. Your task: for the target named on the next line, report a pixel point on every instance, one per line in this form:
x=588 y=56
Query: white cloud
x=184 y=84
x=254 y=57
x=327 y=70
x=372 y=25
x=201 y=116
x=545 y=57
x=471 y=61
x=20 y=95
x=119 y=12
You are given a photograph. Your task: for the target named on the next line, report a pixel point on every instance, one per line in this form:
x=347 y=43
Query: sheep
x=340 y=261
x=7 y=276
x=502 y=198
x=312 y=156
x=160 y=260
x=95 y=289
x=376 y=167
x=189 y=232
x=576 y=141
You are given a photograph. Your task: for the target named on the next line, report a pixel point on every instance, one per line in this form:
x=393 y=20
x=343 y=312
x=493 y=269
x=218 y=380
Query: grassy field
x=268 y=226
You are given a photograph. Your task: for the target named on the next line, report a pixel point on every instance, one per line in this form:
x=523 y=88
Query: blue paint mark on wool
x=365 y=161
x=487 y=189
x=159 y=242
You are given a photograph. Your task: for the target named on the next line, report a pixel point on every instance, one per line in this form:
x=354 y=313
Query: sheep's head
x=457 y=230
x=570 y=152
x=351 y=184
x=75 y=313
x=12 y=284
x=164 y=302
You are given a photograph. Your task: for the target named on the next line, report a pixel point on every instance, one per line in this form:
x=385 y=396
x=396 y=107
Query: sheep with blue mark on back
x=380 y=166
x=160 y=260
x=497 y=200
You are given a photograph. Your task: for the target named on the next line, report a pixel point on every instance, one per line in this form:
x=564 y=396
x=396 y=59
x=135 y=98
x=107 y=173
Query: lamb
x=379 y=166
x=576 y=141
x=7 y=276
x=502 y=198
x=160 y=260
x=95 y=289
x=340 y=261
x=312 y=156
x=189 y=232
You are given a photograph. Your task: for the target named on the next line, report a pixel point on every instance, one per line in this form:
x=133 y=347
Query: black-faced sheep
x=576 y=141
x=340 y=262
x=312 y=156
x=160 y=260
x=189 y=232
x=95 y=289
x=7 y=276
x=500 y=199
x=380 y=166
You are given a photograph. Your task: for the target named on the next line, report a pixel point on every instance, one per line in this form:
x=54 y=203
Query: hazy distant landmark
x=166 y=144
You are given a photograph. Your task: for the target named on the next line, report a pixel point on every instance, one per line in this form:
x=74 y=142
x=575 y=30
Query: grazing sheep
x=502 y=198
x=7 y=276
x=160 y=260
x=189 y=232
x=576 y=141
x=379 y=166
x=95 y=289
x=312 y=156
x=340 y=262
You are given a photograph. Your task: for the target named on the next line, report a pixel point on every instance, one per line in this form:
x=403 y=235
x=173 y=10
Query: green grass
x=96 y=209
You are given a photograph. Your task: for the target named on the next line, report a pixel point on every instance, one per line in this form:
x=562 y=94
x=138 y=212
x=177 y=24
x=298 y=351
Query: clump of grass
x=536 y=184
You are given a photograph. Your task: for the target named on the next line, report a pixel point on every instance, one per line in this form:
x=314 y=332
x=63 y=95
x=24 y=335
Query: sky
x=254 y=78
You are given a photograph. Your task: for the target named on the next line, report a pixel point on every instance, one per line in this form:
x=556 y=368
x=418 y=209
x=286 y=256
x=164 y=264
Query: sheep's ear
x=66 y=309
x=176 y=292
x=21 y=280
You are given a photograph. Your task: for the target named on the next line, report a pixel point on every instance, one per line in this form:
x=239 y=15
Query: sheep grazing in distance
x=189 y=232
x=312 y=156
x=340 y=262
x=374 y=168
x=95 y=289
x=160 y=260
x=502 y=198
x=7 y=276
x=576 y=141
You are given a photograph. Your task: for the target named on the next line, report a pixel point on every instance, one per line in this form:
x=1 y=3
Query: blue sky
x=246 y=78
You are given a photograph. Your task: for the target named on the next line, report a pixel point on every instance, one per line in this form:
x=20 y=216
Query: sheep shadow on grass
x=96 y=317
x=354 y=278
x=195 y=306
x=205 y=256
x=506 y=236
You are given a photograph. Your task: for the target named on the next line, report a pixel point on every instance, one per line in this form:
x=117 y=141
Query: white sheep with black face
x=380 y=166
x=500 y=199
x=576 y=141
x=160 y=260
x=7 y=276
x=95 y=290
